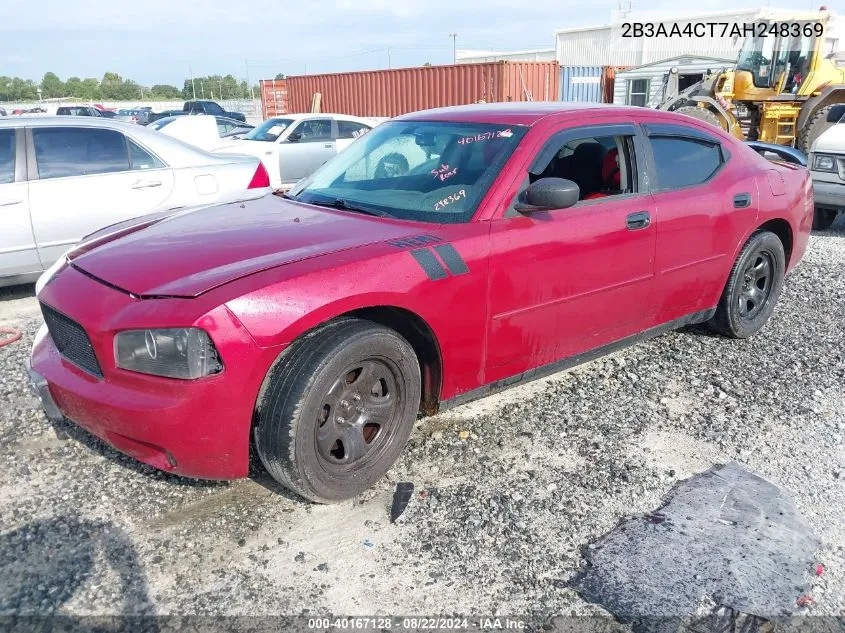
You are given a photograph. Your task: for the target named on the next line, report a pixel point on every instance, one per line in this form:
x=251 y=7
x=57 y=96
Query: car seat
x=585 y=169
x=610 y=176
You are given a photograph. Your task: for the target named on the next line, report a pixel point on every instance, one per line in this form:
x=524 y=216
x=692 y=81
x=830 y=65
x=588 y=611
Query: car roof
x=66 y=121
x=521 y=113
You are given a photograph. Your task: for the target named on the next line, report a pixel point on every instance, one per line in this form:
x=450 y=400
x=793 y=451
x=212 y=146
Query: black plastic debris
x=725 y=537
x=404 y=491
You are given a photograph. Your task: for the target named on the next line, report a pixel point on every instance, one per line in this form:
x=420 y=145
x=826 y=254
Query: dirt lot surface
x=509 y=490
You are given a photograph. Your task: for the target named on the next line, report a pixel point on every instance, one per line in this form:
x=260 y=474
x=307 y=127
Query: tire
x=742 y=311
x=816 y=125
x=702 y=114
x=823 y=219
x=337 y=408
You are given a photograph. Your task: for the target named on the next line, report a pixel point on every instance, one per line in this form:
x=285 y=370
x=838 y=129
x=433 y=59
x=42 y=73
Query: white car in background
x=827 y=169
x=206 y=132
x=62 y=178
x=293 y=146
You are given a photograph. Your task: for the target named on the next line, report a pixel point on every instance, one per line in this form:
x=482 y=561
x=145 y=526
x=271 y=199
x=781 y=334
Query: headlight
x=186 y=353
x=822 y=162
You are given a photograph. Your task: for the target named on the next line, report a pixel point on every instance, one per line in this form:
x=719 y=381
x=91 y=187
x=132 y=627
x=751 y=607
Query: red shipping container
x=274 y=97
x=388 y=93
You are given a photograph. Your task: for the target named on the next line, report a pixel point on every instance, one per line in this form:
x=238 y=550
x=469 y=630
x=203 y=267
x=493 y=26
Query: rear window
x=7 y=156
x=684 y=162
x=63 y=152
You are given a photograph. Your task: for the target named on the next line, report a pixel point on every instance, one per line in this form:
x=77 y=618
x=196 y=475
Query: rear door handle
x=742 y=201
x=328 y=145
x=146 y=184
x=8 y=202
x=638 y=220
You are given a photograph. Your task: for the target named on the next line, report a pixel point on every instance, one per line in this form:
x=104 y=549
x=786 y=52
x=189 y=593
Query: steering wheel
x=391 y=165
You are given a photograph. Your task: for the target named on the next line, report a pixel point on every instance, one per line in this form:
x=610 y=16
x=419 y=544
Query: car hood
x=190 y=252
x=832 y=140
x=244 y=146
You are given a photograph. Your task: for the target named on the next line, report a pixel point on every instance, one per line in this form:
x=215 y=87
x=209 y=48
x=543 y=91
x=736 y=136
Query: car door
x=307 y=146
x=85 y=178
x=702 y=211
x=18 y=254
x=566 y=281
x=348 y=131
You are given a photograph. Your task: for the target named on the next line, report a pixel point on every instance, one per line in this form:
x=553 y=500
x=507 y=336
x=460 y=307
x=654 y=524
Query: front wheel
x=337 y=409
x=753 y=288
x=823 y=219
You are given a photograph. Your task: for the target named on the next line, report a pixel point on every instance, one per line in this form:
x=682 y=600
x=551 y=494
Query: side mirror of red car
x=546 y=194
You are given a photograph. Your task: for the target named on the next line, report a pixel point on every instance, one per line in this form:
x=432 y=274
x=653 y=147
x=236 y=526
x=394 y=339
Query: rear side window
x=684 y=162
x=141 y=158
x=7 y=156
x=62 y=152
x=350 y=129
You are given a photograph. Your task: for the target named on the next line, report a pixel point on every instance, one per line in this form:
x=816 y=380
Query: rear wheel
x=813 y=129
x=753 y=288
x=337 y=410
x=823 y=219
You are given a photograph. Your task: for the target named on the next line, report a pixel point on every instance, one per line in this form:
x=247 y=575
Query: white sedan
x=62 y=178
x=293 y=146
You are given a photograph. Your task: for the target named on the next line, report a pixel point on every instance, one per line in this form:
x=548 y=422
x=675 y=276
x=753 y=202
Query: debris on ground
x=726 y=534
x=403 y=494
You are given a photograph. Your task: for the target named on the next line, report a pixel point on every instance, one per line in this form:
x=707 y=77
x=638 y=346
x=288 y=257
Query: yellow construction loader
x=783 y=88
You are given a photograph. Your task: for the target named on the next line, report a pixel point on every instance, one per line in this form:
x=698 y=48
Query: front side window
x=62 y=152
x=7 y=156
x=313 y=130
x=637 y=92
x=269 y=131
x=601 y=166
x=425 y=171
x=684 y=162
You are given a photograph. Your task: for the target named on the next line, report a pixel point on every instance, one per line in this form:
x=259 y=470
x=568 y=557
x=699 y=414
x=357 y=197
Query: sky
x=258 y=38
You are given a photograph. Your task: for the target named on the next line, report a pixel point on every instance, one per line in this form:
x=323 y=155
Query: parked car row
x=62 y=178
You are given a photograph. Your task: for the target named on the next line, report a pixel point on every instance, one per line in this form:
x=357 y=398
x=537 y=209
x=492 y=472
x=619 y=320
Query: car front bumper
x=829 y=195
x=196 y=428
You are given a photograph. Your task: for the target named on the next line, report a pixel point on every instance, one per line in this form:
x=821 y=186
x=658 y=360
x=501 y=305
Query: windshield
x=424 y=171
x=770 y=55
x=269 y=131
x=157 y=125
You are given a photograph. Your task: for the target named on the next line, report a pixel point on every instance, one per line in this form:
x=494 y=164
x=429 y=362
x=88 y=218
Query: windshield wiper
x=343 y=205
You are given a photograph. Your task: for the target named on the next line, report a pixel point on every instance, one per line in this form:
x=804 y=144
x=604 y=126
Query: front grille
x=71 y=340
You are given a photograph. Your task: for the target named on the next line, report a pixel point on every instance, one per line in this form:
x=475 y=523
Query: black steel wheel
x=337 y=409
x=753 y=287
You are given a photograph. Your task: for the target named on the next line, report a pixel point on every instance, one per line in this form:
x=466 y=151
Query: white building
x=646 y=85
x=604 y=45
x=468 y=56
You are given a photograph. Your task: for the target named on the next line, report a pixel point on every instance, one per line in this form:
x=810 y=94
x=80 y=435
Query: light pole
x=454 y=37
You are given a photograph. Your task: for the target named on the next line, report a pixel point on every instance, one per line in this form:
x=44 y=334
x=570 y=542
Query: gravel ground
x=508 y=489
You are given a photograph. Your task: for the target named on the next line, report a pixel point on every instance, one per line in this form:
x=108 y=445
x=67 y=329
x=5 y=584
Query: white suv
x=827 y=167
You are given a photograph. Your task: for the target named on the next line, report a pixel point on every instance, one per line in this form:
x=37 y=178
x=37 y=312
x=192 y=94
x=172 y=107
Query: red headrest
x=610 y=169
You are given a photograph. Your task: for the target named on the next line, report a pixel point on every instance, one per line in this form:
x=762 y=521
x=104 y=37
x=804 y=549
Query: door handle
x=742 y=200
x=146 y=184
x=328 y=145
x=638 y=220
x=8 y=202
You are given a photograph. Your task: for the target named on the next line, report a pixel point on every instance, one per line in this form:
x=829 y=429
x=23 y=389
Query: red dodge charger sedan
x=442 y=256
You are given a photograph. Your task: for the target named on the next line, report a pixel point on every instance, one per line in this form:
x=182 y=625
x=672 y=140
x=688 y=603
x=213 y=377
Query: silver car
x=293 y=146
x=62 y=178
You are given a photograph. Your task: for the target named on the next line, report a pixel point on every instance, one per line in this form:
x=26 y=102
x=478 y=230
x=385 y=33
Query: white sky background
x=156 y=43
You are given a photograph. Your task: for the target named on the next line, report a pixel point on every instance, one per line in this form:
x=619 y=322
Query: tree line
x=113 y=87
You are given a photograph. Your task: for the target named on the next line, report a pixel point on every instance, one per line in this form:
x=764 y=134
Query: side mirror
x=294 y=137
x=548 y=193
